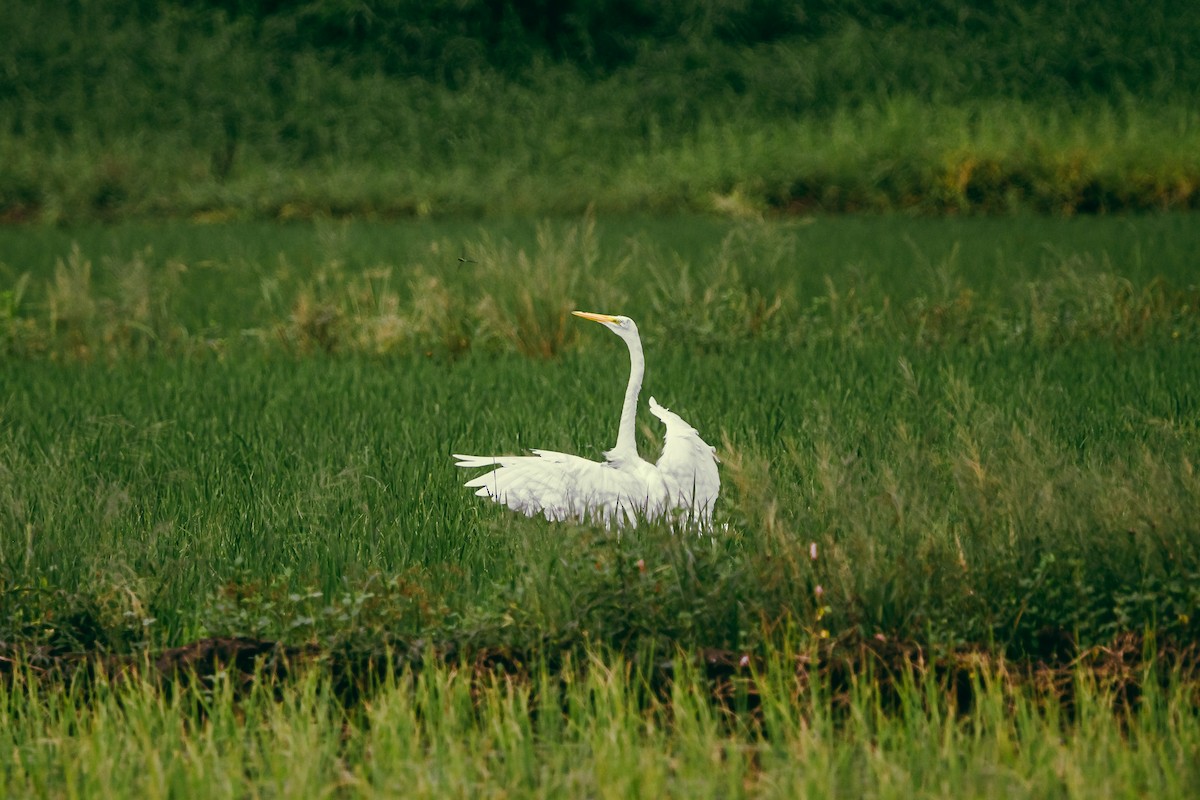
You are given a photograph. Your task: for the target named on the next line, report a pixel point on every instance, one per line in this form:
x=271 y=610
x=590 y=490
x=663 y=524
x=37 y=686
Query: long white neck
x=626 y=447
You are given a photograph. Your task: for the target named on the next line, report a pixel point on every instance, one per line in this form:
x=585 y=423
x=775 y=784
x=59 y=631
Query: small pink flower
x=812 y=550
x=819 y=591
x=641 y=565
x=744 y=661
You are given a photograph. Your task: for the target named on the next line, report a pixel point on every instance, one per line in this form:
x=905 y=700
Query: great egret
x=622 y=488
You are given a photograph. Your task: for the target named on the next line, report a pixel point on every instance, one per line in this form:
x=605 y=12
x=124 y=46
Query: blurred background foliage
x=296 y=107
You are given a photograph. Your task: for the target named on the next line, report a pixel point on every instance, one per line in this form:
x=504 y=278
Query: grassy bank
x=241 y=111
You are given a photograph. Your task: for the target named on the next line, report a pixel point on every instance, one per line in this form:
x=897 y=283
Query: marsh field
x=956 y=550
x=925 y=273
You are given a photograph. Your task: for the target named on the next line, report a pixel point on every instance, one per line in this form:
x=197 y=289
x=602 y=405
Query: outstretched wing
x=560 y=486
x=688 y=466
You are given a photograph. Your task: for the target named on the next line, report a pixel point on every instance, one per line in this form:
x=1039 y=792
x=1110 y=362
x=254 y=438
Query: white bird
x=623 y=488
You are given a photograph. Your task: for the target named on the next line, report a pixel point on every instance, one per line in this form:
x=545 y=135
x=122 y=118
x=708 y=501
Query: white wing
x=561 y=486
x=688 y=467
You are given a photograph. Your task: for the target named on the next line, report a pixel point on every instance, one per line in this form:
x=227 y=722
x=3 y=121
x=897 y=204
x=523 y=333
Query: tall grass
x=601 y=727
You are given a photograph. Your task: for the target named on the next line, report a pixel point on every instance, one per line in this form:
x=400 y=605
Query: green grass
x=982 y=157
x=953 y=451
x=602 y=728
x=957 y=551
x=987 y=429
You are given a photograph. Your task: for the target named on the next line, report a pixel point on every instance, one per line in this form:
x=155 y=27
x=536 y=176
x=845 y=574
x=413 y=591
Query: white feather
x=560 y=486
x=688 y=466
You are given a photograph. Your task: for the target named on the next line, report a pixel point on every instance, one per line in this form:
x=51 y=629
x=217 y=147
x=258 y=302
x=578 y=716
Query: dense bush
x=394 y=108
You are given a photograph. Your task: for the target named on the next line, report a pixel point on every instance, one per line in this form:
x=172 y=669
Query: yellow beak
x=595 y=317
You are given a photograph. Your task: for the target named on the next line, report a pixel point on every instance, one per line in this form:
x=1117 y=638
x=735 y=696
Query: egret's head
x=621 y=326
